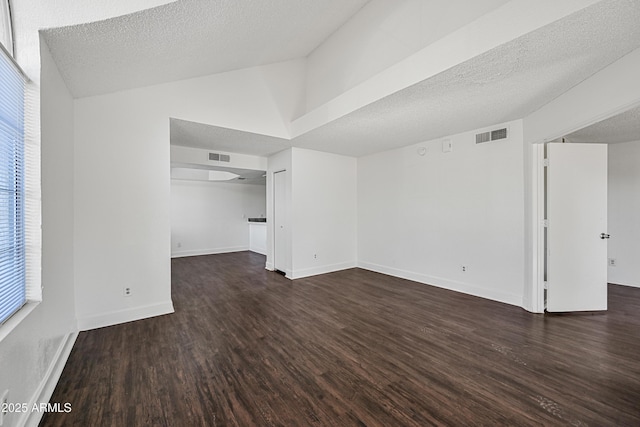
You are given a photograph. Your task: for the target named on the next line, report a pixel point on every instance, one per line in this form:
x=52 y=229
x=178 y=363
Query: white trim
x=537 y=229
x=269 y=266
x=439 y=282
x=14 y=320
x=48 y=384
x=214 y=251
x=323 y=269
x=123 y=316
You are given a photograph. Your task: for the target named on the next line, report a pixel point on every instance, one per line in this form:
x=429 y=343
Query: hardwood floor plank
x=249 y=347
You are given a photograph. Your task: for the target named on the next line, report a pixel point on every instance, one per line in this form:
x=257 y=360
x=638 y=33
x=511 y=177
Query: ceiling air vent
x=219 y=157
x=493 y=135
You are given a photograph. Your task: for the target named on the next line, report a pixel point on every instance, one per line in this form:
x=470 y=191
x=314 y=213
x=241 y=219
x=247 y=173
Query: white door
x=577 y=239
x=280 y=242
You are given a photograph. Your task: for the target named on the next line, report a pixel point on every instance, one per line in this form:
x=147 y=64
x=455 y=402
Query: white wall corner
x=123 y=316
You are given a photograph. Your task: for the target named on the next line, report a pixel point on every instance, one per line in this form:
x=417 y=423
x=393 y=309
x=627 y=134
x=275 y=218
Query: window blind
x=12 y=232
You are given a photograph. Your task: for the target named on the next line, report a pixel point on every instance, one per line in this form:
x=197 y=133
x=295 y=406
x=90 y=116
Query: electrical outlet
x=612 y=262
x=464 y=268
x=126 y=291
x=315 y=256
x=179 y=244
x=4 y=400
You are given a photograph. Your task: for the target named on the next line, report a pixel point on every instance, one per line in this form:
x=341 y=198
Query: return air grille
x=498 y=134
x=219 y=157
x=483 y=137
x=493 y=135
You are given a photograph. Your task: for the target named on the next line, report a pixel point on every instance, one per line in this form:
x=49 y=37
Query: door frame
x=274 y=227
x=536 y=165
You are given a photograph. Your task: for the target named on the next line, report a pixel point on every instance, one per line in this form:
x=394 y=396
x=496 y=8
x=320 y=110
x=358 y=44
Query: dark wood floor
x=248 y=347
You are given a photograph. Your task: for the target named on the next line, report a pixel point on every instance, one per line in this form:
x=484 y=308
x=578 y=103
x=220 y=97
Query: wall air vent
x=219 y=157
x=483 y=137
x=492 y=135
x=499 y=134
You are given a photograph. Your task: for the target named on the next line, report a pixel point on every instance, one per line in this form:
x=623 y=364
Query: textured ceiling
x=624 y=127
x=171 y=42
x=504 y=84
x=198 y=135
x=191 y=38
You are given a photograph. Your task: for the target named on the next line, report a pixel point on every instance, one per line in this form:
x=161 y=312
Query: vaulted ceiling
x=195 y=37
x=190 y=38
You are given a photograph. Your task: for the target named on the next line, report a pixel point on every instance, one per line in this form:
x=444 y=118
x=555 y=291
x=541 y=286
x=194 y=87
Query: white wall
x=324 y=215
x=188 y=156
x=624 y=211
x=33 y=354
x=122 y=183
x=424 y=217
x=211 y=217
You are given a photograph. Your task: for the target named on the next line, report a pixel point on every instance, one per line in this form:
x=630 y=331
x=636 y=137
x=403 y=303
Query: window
x=12 y=224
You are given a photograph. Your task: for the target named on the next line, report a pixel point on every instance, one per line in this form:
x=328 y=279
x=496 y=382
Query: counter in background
x=258 y=235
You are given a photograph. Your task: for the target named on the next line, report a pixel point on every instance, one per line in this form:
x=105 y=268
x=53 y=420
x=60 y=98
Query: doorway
x=621 y=135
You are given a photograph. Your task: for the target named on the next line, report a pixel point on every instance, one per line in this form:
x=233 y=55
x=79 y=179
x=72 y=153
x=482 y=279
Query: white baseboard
x=269 y=266
x=47 y=386
x=323 y=269
x=625 y=284
x=124 y=316
x=452 y=285
x=214 y=251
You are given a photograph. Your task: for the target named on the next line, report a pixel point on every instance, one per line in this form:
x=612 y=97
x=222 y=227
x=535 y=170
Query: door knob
x=604 y=236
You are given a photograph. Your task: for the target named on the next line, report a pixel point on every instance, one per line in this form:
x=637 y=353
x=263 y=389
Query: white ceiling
x=191 y=38
x=198 y=135
x=624 y=127
x=506 y=83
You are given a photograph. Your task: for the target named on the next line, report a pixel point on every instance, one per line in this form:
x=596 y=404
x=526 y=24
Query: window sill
x=16 y=319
